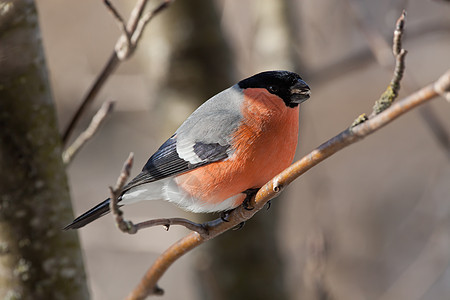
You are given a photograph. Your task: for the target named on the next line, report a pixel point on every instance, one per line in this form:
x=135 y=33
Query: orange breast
x=264 y=145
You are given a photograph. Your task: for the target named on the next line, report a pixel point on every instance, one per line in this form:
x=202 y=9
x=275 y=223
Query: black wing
x=166 y=162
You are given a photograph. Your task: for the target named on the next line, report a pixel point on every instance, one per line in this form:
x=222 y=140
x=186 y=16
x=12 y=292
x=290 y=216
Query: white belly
x=167 y=189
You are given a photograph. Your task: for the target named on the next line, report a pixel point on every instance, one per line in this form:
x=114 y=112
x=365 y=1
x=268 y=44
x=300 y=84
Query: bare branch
x=108 y=69
x=359 y=130
x=148 y=284
x=124 y=48
x=399 y=53
x=147 y=18
x=86 y=135
x=126 y=44
x=124 y=225
x=442 y=87
x=391 y=92
x=119 y=19
x=136 y=14
x=200 y=228
x=398 y=34
x=379 y=48
x=131 y=228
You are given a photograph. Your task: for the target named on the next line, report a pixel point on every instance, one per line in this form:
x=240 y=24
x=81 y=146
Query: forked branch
x=131 y=228
x=359 y=130
x=125 y=47
x=148 y=285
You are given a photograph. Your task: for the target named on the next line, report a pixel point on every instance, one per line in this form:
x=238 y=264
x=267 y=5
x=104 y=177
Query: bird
x=227 y=149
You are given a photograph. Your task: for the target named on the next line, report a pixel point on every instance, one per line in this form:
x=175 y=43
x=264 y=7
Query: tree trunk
x=37 y=259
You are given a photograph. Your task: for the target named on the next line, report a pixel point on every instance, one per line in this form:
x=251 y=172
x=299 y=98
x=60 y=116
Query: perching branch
x=125 y=47
x=86 y=135
x=364 y=127
x=148 y=285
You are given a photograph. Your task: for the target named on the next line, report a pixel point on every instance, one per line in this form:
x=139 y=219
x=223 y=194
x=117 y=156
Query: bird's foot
x=225 y=215
x=250 y=193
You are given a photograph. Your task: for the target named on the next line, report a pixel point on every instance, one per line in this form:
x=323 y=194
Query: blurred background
x=371 y=222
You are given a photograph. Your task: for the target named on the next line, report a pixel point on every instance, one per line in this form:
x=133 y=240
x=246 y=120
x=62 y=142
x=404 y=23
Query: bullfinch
x=225 y=150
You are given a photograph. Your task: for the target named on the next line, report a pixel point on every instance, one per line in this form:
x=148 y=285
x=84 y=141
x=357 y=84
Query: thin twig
x=379 y=48
x=391 y=92
x=148 y=284
x=173 y=221
x=108 y=69
x=86 y=135
x=126 y=45
x=131 y=228
x=116 y=192
x=147 y=18
x=123 y=50
x=442 y=89
x=120 y=21
x=398 y=52
x=136 y=15
x=398 y=34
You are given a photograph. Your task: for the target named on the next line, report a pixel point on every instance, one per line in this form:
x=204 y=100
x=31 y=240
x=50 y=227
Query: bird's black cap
x=289 y=86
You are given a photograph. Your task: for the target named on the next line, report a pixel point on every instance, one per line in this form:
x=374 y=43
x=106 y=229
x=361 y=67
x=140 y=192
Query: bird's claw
x=224 y=216
x=239 y=226
x=246 y=204
x=250 y=193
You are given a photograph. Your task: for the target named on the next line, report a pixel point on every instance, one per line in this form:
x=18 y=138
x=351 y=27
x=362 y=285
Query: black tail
x=89 y=216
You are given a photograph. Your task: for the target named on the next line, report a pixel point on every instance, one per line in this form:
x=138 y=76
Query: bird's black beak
x=300 y=92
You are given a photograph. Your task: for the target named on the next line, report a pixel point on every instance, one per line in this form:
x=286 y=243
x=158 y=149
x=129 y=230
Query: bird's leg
x=269 y=203
x=250 y=193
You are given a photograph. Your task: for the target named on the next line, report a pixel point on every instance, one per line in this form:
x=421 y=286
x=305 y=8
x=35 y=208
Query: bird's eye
x=273 y=89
